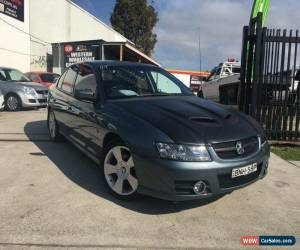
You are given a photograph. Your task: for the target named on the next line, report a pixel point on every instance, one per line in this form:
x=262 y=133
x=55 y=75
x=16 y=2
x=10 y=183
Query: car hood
x=34 y=85
x=189 y=119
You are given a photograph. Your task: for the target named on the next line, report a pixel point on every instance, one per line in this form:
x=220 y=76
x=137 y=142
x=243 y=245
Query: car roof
x=97 y=63
x=6 y=68
x=41 y=72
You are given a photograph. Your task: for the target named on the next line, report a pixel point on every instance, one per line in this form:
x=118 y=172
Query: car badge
x=239 y=148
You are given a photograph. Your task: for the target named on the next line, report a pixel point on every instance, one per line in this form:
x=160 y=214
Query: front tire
x=119 y=171
x=12 y=103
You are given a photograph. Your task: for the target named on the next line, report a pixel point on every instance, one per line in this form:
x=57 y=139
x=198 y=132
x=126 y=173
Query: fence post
x=257 y=57
x=242 y=87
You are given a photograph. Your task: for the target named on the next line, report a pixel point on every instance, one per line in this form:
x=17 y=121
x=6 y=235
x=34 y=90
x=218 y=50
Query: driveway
x=52 y=196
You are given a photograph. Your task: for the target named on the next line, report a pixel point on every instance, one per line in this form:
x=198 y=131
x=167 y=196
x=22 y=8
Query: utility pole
x=200 y=54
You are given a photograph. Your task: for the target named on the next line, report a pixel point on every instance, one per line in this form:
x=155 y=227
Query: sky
x=218 y=23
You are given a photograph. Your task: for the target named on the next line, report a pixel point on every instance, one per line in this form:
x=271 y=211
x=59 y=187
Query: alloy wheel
x=119 y=171
x=12 y=103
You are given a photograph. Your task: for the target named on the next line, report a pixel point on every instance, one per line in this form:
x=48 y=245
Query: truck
x=222 y=83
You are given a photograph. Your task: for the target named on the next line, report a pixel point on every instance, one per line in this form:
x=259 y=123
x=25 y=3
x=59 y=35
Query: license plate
x=236 y=172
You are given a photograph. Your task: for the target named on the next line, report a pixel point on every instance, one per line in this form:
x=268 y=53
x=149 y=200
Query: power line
x=46 y=43
x=21 y=53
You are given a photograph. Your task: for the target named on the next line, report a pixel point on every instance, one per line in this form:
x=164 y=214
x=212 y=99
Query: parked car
x=19 y=91
x=151 y=135
x=47 y=79
x=1 y=101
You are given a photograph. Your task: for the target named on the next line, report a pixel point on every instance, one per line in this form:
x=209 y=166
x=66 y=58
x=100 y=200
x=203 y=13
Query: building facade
x=29 y=28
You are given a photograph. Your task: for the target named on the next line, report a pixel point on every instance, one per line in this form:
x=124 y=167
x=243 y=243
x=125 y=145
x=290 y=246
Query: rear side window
x=86 y=79
x=68 y=81
x=59 y=83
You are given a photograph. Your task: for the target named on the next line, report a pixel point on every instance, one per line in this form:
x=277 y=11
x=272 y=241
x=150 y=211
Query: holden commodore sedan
x=20 y=92
x=150 y=135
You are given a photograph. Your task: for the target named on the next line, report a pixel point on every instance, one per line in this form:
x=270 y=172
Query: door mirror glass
x=85 y=94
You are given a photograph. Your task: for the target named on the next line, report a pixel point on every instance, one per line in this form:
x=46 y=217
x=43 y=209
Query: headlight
x=183 y=152
x=29 y=91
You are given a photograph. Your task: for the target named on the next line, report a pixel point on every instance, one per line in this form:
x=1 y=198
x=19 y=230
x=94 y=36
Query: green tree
x=135 y=19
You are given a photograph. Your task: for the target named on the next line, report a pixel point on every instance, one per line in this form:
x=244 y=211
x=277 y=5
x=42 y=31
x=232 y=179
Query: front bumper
x=39 y=100
x=174 y=180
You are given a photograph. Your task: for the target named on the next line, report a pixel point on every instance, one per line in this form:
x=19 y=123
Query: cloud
x=220 y=23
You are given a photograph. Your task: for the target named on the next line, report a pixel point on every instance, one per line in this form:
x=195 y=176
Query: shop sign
x=79 y=53
x=13 y=8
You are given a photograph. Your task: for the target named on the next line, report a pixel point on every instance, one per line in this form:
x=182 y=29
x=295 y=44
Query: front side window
x=68 y=81
x=139 y=81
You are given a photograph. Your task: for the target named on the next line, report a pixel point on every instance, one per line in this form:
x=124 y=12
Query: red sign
x=249 y=240
x=68 y=48
x=13 y=8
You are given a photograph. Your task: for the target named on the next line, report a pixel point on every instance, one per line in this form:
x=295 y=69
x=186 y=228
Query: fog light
x=200 y=187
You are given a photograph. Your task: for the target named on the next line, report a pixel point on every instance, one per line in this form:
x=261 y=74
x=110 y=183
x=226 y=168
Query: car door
x=62 y=100
x=85 y=125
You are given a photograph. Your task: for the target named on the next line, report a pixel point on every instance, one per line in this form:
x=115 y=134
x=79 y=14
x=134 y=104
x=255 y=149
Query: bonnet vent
x=202 y=119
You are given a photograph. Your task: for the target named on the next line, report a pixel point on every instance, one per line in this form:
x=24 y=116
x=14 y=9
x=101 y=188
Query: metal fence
x=269 y=89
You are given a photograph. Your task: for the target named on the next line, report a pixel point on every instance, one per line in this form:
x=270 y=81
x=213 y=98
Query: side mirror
x=85 y=94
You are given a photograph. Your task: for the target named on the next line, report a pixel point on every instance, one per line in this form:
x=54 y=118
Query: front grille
x=227 y=150
x=42 y=100
x=42 y=92
x=226 y=181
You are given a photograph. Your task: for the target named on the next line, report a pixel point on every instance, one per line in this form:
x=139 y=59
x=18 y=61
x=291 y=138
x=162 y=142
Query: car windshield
x=13 y=75
x=49 y=77
x=140 y=81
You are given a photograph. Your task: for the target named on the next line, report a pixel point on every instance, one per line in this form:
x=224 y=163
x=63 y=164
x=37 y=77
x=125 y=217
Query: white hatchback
x=1 y=101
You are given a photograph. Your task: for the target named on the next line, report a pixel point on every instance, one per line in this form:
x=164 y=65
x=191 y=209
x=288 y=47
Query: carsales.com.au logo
x=268 y=240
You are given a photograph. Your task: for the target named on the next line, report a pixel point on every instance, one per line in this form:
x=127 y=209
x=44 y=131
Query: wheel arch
x=12 y=93
x=110 y=136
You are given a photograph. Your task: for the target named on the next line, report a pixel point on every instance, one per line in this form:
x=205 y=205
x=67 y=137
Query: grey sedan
x=20 y=92
x=150 y=134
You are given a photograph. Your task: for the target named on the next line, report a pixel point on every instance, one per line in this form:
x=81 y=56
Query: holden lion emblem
x=239 y=148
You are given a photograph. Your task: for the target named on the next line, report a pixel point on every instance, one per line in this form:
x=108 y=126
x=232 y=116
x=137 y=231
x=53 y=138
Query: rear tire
x=53 y=127
x=118 y=171
x=12 y=103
